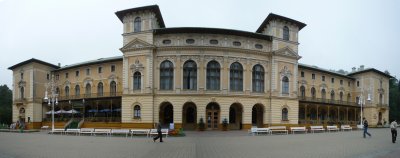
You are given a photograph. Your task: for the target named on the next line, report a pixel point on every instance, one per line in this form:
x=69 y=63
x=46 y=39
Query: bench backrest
x=87 y=129
x=163 y=130
x=345 y=126
x=302 y=128
x=331 y=126
x=120 y=130
x=316 y=127
x=277 y=127
x=102 y=130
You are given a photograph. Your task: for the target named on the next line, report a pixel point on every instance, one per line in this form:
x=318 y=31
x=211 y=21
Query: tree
x=394 y=99
x=5 y=105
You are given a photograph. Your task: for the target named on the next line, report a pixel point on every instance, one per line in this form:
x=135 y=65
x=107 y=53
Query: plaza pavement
x=210 y=144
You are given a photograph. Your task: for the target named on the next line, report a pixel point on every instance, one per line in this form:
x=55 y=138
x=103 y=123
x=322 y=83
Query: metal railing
x=90 y=95
x=327 y=101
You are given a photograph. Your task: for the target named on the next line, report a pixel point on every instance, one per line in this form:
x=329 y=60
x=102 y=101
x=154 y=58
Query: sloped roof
x=91 y=62
x=273 y=16
x=33 y=60
x=315 y=68
x=370 y=70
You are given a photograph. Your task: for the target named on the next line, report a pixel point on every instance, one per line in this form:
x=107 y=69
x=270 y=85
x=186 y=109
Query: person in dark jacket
x=393 y=127
x=159 y=134
x=366 y=128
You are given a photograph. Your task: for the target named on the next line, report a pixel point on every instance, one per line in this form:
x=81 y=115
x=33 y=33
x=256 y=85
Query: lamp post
x=52 y=99
x=361 y=101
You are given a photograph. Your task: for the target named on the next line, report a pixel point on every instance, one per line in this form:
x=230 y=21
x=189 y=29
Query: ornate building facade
x=184 y=75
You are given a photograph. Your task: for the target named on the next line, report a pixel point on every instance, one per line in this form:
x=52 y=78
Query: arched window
x=213 y=75
x=77 y=91
x=341 y=96
x=88 y=90
x=285 y=85
x=190 y=75
x=323 y=94
x=380 y=99
x=236 y=77
x=137 y=25
x=357 y=100
x=22 y=92
x=302 y=92
x=58 y=91
x=113 y=88
x=137 y=80
x=67 y=91
x=166 y=75
x=136 y=112
x=332 y=95
x=348 y=97
x=100 y=89
x=285 y=33
x=313 y=94
x=232 y=115
x=258 y=78
x=285 y=114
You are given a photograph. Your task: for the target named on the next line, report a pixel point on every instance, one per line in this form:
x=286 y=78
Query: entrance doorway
x=212 y=114
x=189 y=115
x=166 y=114
x=235 y=116
x=257 y=115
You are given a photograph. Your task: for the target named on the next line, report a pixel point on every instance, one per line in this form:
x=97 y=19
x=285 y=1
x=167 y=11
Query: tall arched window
x=213 y=75
x=302 y=92
x=285 y=33
x=67 y=91
x=113 y=88
x=58 y=91
x=258 y=78
x=341 y=96
x=77 y=91
x=166 y=75
x=332 y=95
x=137 y=25
x=348 y=97
x=236 y=77
x=136 y=112
x=88 y=90
x=285 y=114
x=313 y=94
x=137 y=80
x=100 y=89
x=190 y=75
x=285 y=85
x=323 y=94
x=22 y=92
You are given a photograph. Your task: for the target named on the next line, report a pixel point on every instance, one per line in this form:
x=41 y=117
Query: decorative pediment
x=323 y=86
x=303 y=82
x=136 y=44
x=287 y=52
x=137 y=66
x=381 y=91
x=285 y=72
x=21 y=83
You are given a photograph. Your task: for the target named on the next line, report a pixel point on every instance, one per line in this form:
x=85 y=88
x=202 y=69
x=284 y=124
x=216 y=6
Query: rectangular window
x=348 y=83
x=323 y=78
x=313 y=76
x=57 y=77
x=22 y=76
x=358 y=83
x=100 y=70
x=87 y=71
x=77 y=73
x=333 y=80
x=112 y=68
x=341 y=82
x=302 y=74
x=66 y=75
x=48 y=76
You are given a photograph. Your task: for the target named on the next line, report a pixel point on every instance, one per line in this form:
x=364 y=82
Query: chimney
x=361 y=67
x=353 y=69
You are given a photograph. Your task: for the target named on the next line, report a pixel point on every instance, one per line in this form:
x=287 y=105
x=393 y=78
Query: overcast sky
x=338 y=35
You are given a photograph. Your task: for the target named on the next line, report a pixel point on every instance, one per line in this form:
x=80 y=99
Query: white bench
x=257 y=131
x=76 y=131
x=140 y=132
x=44 y=128
x=332 y=128
x=298 y=129
x=317 y=128
x=57 y=130
x=346 y=127
x=120 y=131
x=163 y=131
x=102 y=131
x=86 y=131
x=278 y=129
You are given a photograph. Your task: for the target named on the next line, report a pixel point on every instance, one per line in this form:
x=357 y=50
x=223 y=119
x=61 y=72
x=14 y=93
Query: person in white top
x=393 y=127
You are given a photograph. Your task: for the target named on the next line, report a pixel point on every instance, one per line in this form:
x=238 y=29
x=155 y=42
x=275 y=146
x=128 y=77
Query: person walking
x=366 y=128
x=393 y=129
x=159 y=134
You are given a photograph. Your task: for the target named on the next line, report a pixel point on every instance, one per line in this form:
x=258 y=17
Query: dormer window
x=258 y=46
x=213 y=41
x=167 y=41
x=237 y=43
x=285 y=33
x=189 y=41
x=137 y=25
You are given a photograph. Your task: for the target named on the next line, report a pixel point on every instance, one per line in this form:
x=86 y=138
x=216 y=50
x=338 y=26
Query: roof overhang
x=273 y=16
x=154 y=8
